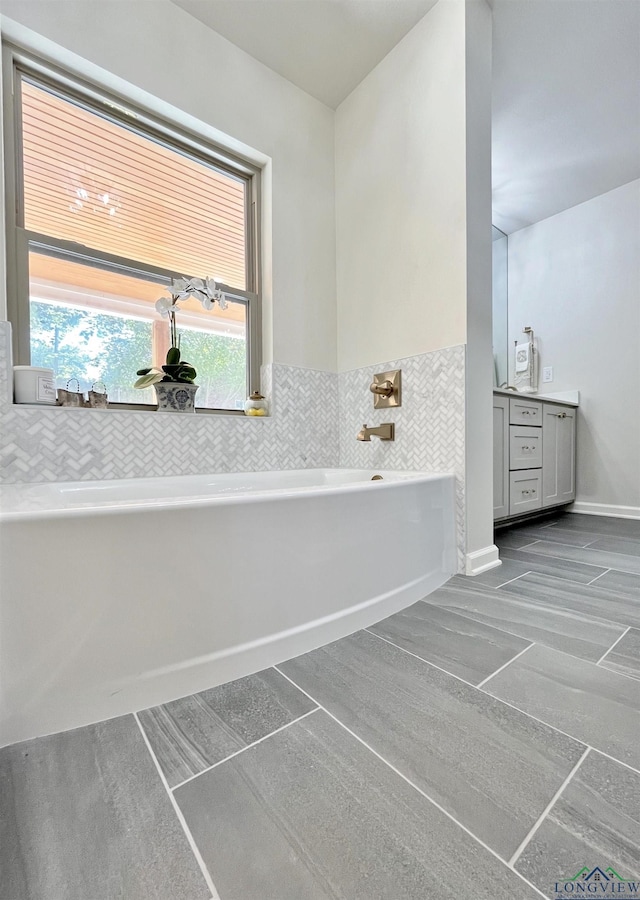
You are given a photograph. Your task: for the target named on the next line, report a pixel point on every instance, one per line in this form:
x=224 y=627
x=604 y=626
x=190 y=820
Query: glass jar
x=256 y=405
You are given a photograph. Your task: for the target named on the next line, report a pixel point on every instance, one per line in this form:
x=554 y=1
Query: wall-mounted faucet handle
x=386 y=388
x=381 y=387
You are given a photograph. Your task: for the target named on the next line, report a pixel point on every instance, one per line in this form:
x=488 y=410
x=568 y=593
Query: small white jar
x=256 y=405
x=32 y=384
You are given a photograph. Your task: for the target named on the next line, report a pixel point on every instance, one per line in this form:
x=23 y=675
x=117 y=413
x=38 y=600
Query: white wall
x=400 y=198
x=481 y=552
x=575 y=278
x=158 y=55
x=413 y=207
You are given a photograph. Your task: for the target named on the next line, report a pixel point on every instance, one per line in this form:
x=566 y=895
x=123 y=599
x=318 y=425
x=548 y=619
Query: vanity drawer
x=525 y=491
x=525 y=412
x=525 y=447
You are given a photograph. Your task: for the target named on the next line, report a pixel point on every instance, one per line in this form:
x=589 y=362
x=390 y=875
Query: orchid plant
x=175 y=369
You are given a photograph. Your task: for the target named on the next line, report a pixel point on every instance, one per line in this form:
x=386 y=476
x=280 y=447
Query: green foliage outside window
x=91 y=346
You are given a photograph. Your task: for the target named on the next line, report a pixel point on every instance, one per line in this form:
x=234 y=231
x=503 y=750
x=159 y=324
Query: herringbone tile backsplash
x=57 y=444
x=430 y=424
x=316 y=416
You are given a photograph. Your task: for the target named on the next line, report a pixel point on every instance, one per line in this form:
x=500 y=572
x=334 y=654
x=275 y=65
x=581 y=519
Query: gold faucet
x=386 y=432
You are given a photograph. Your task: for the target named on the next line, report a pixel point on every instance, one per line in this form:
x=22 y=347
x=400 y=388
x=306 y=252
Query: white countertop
x=567 y=398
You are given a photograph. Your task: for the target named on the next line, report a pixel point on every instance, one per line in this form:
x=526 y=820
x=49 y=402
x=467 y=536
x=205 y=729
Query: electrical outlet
x=547 y=374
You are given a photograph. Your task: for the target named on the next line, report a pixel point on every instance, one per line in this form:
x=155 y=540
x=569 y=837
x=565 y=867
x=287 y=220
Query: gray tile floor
x=483 y=743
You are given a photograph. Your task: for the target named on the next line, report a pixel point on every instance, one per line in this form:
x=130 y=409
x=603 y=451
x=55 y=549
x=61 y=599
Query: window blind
x=92 y=181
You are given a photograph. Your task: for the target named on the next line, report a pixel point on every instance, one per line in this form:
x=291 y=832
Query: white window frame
x=18 y=63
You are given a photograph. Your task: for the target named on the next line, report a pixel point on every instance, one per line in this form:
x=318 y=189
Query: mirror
x=500 y=308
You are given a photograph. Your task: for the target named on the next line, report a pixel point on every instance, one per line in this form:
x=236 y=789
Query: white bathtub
x=119 y=595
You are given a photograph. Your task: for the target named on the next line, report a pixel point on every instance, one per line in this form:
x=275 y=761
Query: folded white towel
x=523 y=357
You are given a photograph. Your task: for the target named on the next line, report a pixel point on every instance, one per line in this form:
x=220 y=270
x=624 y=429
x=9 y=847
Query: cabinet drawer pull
x=561 y=415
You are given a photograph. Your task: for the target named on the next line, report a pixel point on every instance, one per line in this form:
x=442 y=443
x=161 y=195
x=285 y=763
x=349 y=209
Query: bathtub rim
x=398 y=479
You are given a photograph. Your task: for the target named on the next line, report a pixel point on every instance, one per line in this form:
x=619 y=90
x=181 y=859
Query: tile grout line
x=411 y=784
x=537 y=541
x=551 y=575
x=498 y=586
x=615 y=643
x=505 y=702
x=543 y=556
x=183 y=822
x=568 y=559
x=592 y=616
x=614 y=759
x=502 y=668
x=242 y=750
x=606 y=571
x=548 y=809
x=421 y=658
x=464 y=614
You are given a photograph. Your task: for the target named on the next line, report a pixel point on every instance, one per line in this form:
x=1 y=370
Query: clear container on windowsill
x=256 y=405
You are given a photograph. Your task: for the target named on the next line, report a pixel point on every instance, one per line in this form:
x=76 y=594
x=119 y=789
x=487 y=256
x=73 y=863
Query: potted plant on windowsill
x=174 y=381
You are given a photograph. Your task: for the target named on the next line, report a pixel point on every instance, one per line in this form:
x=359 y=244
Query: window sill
x=143 y=408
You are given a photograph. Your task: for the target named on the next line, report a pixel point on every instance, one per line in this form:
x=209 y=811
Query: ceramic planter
x=174 y=396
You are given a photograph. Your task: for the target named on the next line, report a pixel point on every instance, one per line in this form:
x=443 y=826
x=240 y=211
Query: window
x=106 y=205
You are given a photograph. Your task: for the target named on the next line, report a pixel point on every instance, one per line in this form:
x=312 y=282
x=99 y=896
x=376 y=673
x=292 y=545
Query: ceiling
x=326 y=47
x=566 y=104
x=566 y=82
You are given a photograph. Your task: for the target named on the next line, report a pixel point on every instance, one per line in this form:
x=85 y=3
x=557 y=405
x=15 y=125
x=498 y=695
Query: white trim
x=605 y=509
x=482 y=560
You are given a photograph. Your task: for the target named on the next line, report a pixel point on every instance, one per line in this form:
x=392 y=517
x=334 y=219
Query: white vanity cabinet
x=500 y=457
x=534 y=450
x=558 y=454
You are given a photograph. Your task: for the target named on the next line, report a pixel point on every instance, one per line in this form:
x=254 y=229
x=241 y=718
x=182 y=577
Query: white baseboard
x=605 y=509
x=482 y=560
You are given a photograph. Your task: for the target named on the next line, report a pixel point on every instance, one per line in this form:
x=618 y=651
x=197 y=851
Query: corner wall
x=482 y=554
x=400 y=198
x=575 y=278
x=413 y=207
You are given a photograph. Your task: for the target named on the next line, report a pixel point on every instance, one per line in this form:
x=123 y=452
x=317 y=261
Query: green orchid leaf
x=173 y=356
x=147 y=380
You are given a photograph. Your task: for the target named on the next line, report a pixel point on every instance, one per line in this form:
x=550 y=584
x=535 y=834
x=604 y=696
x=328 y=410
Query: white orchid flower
x=212 y=287
x=207 y=302
x=164 y=305
x=179 y=285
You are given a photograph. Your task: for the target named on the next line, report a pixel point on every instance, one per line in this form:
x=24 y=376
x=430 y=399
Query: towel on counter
x=523 y=357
